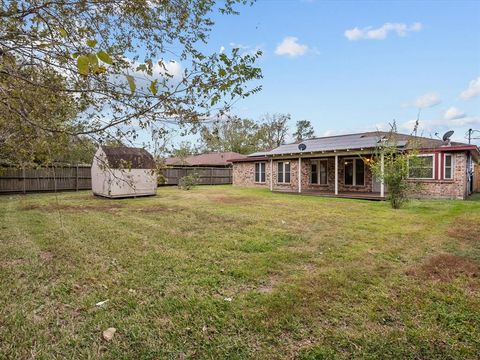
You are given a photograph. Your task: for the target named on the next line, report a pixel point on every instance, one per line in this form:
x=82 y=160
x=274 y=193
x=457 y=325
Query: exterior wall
x=133 y=182
x=243 y=174
x=447 y=189
x=100 y=177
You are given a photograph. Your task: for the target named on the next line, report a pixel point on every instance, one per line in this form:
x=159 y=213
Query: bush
x=188 y=182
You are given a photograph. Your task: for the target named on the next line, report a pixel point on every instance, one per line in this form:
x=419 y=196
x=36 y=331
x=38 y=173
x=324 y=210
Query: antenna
x=446 y=137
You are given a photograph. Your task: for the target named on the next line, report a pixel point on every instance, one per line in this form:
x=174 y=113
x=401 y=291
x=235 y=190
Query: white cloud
x=427 y=100
x=290 y=47
x=454 y=113
x=442 y=124
x=472 y=90
x=401 y=29
x=222 y=50
x=247 y=49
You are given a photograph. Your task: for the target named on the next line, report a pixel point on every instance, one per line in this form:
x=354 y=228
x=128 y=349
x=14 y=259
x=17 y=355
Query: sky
x=352 y=66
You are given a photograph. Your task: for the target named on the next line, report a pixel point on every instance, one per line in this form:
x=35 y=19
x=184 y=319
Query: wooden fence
x=79 y=178
x=45 y=179
x=206 y=175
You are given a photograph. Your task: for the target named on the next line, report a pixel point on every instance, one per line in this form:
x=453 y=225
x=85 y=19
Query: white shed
x=123 y=172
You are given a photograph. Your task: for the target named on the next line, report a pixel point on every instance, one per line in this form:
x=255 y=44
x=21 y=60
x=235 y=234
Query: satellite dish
x=302 y=147
x=447 y=135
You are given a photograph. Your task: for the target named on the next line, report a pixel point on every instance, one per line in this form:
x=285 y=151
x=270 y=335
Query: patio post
x=271 y=174
x=382 y=182
x=299 y=175
x=336 y=174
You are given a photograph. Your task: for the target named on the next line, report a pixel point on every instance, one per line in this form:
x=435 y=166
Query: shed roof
x=128 y=157
x=209 y=159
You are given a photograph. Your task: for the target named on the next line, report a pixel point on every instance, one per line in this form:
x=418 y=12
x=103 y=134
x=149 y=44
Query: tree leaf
x=83 y=64
x=102 y=55
x=153 y=87
x=222 y=72
x=92 y=58
x=131 y=83
x=63 y=33
x=91 y=43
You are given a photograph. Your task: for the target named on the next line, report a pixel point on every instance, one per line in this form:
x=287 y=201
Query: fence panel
x=45 y=179
x=14 y=180
x=206 y=175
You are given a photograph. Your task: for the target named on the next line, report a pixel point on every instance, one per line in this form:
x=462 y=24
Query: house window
x=318 y=172
x=260 y=172
x=421 y=167
x=448 y=167
x=283 y=173
x=354 y=172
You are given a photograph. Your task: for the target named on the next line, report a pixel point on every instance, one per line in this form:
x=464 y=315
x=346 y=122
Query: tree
x=395 y=169
x=273 y=130
x=131 y=66
x=304 y=130
x=184 y=149
x=27 y=112
x=234 y=134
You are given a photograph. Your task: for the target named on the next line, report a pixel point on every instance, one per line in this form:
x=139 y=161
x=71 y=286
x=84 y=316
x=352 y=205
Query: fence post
x=23 y=180
x=211 y=176
x=76 y=178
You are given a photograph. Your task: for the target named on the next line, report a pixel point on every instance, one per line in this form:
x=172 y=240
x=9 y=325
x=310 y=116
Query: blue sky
x=353 y=66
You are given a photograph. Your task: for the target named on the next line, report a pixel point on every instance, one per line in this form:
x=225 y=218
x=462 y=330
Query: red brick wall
x=447 y=189
x=244 y=175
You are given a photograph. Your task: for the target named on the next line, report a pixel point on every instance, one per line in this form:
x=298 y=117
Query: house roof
x=128 y=157
x=360 y=141
x=208 y=159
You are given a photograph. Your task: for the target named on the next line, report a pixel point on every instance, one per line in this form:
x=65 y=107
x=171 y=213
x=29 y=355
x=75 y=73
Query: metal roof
x=334 y=143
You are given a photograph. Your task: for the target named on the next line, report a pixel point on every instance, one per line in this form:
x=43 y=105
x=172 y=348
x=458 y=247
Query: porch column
x=271 y=174
x=382 y=182
x=336 y=174
x=299 y=175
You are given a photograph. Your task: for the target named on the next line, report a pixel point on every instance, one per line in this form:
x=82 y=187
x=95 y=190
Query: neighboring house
x=214 y=159
x=123 y=172
x=334 y=166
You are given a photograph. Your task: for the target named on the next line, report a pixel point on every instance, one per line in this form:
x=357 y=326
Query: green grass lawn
x=229 y=273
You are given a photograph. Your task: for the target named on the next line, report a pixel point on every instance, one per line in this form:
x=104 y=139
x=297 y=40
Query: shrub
x=187 y=182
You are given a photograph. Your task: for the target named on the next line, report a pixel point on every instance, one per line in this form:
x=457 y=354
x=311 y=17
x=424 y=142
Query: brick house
x=335 y=166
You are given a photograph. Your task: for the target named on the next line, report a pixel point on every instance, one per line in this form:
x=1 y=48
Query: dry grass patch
x=465 y=229
x=237 y=200
x=103 y=207
x=446 y=267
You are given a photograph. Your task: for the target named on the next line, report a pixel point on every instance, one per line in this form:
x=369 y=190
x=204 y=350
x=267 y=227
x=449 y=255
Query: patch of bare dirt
x=239 y=200
x=46 y=256
x=158 y=209
x=465 y=229
x=9 y=263
x=104 y=207
x=446 y=267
